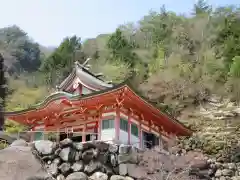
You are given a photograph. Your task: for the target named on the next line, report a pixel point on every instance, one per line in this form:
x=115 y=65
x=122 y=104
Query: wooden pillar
x=150 y=130
x=140 y=133
x=160 y=138
x=58 y=129
x=32 y=135
x=129 y=128
x=99 y=125
x=117 y=123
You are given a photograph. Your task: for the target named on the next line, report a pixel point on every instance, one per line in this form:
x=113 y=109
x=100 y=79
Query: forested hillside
x=177 y=61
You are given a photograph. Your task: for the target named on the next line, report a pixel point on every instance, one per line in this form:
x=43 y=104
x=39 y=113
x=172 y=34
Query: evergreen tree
x=121 y=49
x=201 y=7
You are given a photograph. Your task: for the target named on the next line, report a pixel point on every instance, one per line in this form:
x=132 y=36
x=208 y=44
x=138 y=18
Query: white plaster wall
x=107 y=134
x=135 y=141
x=123 y=137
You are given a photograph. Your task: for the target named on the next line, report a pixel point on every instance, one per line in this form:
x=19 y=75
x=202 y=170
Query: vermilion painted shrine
x=85 y=103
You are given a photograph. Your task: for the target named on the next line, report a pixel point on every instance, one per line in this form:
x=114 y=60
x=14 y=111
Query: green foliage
x=115 y=71
x=19 y=51
x=201 y=7
x=22 y=98
x=235 y=67
x=228 y=39
x=120 y=48
x=60 y=62
x=3 y=145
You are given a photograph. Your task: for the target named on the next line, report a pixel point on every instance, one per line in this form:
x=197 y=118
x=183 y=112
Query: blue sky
x=49 y=21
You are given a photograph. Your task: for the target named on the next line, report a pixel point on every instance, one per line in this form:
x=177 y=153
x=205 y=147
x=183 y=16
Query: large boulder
x=44 y=147
x=19 y=142
x=18 y=163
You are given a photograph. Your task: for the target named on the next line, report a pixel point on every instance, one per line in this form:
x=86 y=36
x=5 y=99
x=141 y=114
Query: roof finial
x=85 y=63
x=57 y=87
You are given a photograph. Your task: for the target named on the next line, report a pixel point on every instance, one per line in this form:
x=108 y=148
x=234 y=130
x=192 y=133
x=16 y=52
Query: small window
x=134 y=129
x=108 y=124
x=124 y=124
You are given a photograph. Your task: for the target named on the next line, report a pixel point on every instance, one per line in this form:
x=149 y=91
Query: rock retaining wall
x=102 y=161
x=82 y=161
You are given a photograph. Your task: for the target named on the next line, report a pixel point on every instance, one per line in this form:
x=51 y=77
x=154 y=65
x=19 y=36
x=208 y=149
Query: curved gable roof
x=87 y=78
x=63 y=95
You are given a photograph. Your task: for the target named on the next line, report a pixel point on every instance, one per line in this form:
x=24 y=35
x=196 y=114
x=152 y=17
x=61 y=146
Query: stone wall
x=82 y=161
x=102 y=161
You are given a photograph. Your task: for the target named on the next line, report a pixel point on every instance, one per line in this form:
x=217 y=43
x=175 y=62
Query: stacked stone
x=81 y=161
x=224 y=171
x=215 y=170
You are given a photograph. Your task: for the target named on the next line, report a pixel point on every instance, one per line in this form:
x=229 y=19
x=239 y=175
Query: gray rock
x=95 y=153
x=64 y=154
x=113 y=160
x=101 y=146
x=91 y=167
x=218 y=173
x=222 y=178
x=128 y=178
x=88 y=145
x=53 y=169
x=57 y=151
x=236 y=178
x=125 y=149
x=136 y=171
x=56 y=161
x=18 y=163
x=127 y=158
x=48 y=158
x=72 y=155
x=123 y=169
x=78 y=155
x=103 y=157
x=60 y=177
x=88 y=155
x=227 y=172
x=107 y=170
x=66 y=143
x=117 y=177
x=65 y=168
x=44 y=147
x=78 y=146
x=19 y=142
x=78 y=166
x=38 y=178
x=77 y=176
x=113 y=148
x=98 y=176
x=231 y=166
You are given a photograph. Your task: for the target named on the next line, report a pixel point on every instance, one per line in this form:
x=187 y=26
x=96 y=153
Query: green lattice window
x=108 y=124
x=134 y=129
x=123 y=124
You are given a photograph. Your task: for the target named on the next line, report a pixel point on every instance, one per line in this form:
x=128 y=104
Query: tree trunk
x=2 y=92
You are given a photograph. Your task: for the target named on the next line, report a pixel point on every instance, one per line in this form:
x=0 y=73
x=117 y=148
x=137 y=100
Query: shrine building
x=85 y=106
